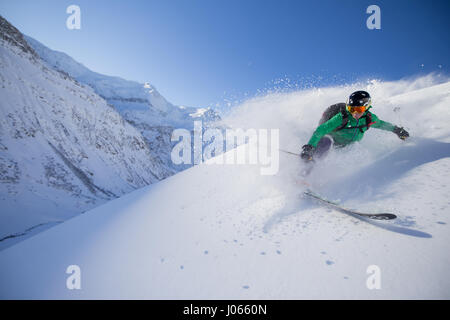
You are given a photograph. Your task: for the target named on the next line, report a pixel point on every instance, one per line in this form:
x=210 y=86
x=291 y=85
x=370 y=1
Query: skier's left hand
x=401 y=133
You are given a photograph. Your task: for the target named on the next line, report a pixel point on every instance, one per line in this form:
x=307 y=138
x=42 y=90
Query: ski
x=338 y=207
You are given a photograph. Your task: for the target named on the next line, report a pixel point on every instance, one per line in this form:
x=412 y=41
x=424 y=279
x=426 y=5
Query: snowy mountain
x=64 y=147
x=139 y=103
x=227 y=232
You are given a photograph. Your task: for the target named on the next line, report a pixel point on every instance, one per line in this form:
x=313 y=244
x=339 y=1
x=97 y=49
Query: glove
x=401 y=133
x=307 y=152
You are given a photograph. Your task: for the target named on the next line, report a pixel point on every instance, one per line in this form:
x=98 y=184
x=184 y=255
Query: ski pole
x=288 y=152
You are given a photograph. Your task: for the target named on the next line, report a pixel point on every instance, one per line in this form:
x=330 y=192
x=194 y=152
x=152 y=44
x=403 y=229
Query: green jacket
x=346 y=136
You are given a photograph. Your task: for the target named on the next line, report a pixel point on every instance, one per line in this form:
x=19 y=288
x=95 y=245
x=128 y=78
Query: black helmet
x=359 y=99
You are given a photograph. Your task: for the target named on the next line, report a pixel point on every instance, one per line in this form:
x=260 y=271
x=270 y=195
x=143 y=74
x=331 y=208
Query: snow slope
x=227 y=232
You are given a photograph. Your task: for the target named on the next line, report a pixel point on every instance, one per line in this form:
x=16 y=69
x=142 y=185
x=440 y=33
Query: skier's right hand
x=307 y=152
x=401 y=133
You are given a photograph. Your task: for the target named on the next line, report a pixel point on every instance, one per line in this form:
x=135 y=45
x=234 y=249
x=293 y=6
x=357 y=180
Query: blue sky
x=203 y=52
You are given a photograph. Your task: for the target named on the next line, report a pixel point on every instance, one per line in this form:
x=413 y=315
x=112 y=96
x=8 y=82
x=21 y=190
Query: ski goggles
x=360 y=109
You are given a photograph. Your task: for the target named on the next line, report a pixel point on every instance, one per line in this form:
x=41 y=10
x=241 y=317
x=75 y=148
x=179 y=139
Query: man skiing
x=344 y=123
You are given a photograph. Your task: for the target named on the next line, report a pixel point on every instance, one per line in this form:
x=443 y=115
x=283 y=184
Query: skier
x=344 y=123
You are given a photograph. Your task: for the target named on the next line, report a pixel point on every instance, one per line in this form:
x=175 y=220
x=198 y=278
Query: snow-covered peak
x=199 y=112
x=57 y=60
x=137 y=102
x=108 y=87
x=10 y=34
